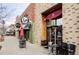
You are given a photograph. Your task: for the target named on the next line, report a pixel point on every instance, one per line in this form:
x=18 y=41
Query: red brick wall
x=34 y=11
x=30 y=11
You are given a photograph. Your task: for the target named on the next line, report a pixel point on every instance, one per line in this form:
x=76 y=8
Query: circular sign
x=25 y=20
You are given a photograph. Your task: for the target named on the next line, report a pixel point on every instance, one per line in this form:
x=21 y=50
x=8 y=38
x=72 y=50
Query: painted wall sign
x=54 y=15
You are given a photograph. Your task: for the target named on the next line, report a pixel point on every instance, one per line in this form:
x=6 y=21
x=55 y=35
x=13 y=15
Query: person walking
x=22 y=40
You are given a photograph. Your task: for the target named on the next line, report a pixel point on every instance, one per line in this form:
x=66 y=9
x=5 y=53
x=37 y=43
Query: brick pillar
x=71 y=24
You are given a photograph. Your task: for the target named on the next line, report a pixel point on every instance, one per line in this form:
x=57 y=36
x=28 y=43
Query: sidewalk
x=10 y=47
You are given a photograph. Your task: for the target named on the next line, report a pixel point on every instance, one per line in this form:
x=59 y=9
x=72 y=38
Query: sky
x=14 y=10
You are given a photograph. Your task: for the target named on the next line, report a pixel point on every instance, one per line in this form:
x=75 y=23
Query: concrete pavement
x=10 y=46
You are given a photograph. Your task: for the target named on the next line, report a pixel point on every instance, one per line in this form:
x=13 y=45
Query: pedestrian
x=22 y=39
x=21 y=32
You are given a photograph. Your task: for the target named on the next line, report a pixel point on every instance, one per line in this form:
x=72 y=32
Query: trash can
x=59 y=50
x=64 y=49
x=22 y=43
x=71 y=49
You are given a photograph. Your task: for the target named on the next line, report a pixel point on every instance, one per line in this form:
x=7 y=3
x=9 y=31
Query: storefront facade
x=51 y=18
x=70 y=22
x=69 y=16
x=34 y=11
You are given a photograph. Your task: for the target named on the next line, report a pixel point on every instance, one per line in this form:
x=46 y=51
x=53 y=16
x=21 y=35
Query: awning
x=54 y=15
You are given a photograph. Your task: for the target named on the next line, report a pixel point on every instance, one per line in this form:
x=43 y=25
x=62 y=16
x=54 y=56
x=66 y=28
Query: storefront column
x=43 y=28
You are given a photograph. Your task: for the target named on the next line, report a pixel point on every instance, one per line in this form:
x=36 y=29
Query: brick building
x=70 y=22
x=34 y=11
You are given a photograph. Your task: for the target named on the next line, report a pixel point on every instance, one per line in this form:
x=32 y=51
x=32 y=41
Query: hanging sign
x=24 y=20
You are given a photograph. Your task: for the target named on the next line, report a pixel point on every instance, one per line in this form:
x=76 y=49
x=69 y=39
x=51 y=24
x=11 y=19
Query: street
x=10 y=46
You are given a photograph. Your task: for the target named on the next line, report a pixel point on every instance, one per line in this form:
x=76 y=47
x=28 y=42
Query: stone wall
x=71 y=24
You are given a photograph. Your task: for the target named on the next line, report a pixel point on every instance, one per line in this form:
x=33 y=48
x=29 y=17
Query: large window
x=59 y=21
x=56 y=22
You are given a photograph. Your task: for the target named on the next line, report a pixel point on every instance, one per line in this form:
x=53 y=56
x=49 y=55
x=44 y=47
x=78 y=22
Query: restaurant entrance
x=52 y=23
x=54 y=34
